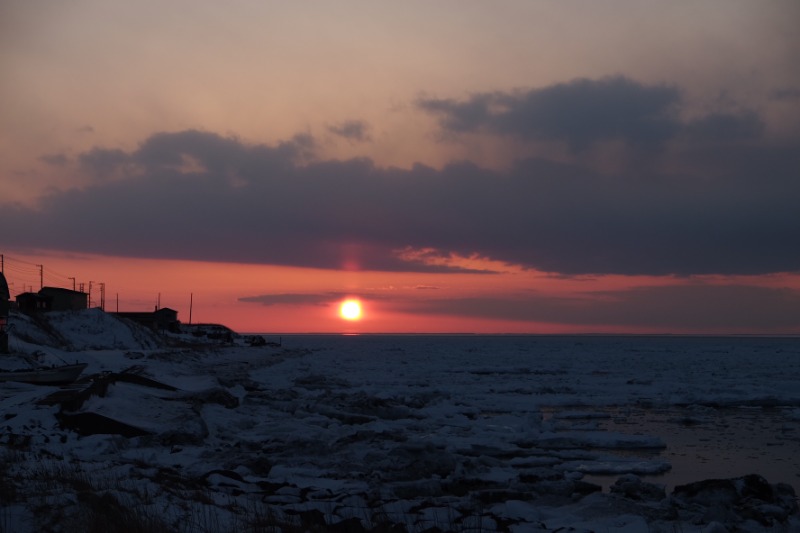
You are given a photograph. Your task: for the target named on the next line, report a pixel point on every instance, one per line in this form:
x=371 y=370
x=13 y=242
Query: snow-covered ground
x=466 y=433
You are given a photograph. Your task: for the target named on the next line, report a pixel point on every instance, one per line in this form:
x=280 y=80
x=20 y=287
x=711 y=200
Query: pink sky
x=391 y=302
x=465 y=166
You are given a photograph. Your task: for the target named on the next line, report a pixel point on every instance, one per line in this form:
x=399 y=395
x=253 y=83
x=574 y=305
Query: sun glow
x=350 y=310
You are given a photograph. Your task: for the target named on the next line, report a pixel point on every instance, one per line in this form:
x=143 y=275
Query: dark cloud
x=699 y=307
x=788 y=94
x=585 y=111
x=56 y=160
x=353 y=130
x=214 y=155
x=198 y=195
x=580 y=112
x=725 y=127
x=322 y=300
x=103 y=163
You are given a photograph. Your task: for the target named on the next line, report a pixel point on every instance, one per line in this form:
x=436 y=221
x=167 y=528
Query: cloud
x=725 y=127
x=580 y=112
x=322 y=300
x=785 y=94
x=585 y=111
x=199 y=195
x=102 y=162
x=217 y=155
x=352 y=130
x=699 y=307
x=56 y=160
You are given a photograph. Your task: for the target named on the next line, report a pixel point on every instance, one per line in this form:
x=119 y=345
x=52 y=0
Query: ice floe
x=419 y=432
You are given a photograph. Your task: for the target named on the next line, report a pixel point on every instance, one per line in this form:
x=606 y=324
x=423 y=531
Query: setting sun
x=350 y=310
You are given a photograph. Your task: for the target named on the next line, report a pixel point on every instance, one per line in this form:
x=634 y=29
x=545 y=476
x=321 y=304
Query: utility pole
x=191 y=300
x=41 y=276
x=90 y=294
x=73 y=283
x=102 y=296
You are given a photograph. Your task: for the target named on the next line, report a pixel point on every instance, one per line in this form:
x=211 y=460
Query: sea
x=723 y=406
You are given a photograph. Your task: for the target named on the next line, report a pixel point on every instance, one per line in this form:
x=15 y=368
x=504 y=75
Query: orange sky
x=459 y=166
x=391 y=302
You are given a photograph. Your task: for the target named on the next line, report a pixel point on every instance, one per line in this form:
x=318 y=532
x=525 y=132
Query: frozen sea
x=722 y=406
x=431 y=432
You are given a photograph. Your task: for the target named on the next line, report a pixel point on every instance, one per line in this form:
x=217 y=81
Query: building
x=52 y=299
x=4 y=311
x=160 y=319
x=31 y=302
x=65 y=299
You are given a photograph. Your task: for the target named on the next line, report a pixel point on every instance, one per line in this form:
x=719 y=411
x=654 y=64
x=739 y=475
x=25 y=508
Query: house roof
x=147 y=314
x=61 y=290
x=29 y=295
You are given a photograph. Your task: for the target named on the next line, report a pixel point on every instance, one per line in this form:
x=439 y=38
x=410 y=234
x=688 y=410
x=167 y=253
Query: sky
x=457 y=166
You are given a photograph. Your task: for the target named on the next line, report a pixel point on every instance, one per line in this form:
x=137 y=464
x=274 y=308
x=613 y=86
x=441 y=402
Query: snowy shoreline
x=490 y=433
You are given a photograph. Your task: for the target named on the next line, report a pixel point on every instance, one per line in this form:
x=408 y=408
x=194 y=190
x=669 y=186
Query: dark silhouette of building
x=52 y=299
x=160 y=319
x=5 y=307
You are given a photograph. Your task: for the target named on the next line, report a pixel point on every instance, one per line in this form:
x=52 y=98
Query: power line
x=23 y=275
x=17 y=260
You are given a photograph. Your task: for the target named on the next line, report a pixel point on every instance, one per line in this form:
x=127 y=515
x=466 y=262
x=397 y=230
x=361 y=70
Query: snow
x=457 y=432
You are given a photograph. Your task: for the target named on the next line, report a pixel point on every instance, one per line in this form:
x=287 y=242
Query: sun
x=350 y=310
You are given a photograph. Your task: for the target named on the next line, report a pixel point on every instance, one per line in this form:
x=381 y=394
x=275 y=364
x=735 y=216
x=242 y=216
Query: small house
x=160 y=319
x=65 y=299
x=32 y=302
x=52 y=299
